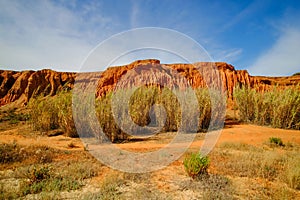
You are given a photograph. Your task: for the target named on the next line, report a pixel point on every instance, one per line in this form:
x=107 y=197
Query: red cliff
x=19 y=87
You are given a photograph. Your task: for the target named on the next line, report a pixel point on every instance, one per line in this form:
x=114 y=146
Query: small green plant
x=276 y=141
x=195 y=165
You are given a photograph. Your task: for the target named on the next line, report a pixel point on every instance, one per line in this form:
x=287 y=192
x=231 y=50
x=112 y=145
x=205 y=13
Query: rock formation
x=200 y=74
x=19 y=87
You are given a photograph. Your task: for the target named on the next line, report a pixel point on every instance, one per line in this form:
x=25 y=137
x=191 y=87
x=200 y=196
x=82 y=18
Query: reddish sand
x=167 y=178
x=241 y=133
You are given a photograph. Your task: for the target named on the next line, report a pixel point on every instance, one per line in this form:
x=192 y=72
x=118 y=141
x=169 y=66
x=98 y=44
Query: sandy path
x=256 y=135
x=250 y=134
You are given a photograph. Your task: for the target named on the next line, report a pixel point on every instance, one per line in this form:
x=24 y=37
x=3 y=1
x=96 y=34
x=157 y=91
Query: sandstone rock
x=197 y=75
x=21 y=86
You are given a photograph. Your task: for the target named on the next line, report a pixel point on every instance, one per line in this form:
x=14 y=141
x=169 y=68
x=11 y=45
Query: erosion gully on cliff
x=19 y=87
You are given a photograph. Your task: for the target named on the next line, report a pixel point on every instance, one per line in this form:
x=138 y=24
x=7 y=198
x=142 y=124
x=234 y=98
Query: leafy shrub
x=195 y=164
x=276 y=141
x=63 y=102
x=106 y=119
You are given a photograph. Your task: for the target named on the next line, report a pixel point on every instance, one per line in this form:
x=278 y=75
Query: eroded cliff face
x=21 y=86
x=202 y=74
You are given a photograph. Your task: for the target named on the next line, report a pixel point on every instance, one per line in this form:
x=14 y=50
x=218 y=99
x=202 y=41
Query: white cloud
x=134 y=14
x=283 y=58
x=44 y=34
x=143 y=43
x=246 y=12
x=228 y=56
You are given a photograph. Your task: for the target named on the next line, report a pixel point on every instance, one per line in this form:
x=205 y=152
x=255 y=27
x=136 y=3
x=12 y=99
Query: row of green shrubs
x=277 y=108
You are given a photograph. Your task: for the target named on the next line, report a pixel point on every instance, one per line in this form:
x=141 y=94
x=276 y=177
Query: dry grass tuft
x=49 y=113
x=277 y=108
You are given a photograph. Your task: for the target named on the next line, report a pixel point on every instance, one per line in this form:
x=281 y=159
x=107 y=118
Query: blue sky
x=260 y=36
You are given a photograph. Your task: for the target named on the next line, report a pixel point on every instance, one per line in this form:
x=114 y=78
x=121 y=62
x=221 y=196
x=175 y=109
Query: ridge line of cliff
x=21 y=86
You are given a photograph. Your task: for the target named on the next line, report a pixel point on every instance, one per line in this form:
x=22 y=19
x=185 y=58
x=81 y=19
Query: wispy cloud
x=283 y=57
x=166 y=45
x=59 y=34
x=44 y=34
x=245 y=13
x=134 y=14
x=229 y=55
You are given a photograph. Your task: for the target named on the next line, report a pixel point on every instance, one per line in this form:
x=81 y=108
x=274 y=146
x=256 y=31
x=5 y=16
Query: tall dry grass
x=277 y=108
x=155 y=107
x=149 y=108
x=245 y=160
x=49 y=113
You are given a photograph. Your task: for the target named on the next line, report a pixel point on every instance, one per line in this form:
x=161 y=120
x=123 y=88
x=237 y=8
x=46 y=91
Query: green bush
x=276 y=141
x=195 y=164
